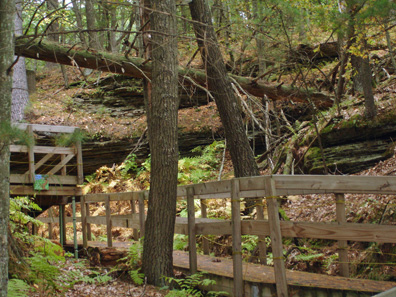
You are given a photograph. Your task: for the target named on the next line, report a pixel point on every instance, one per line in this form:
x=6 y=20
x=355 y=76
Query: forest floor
x=53 y=104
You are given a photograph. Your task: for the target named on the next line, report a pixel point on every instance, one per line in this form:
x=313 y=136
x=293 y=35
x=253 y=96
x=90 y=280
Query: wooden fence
x=270 y=188
x=50 y=168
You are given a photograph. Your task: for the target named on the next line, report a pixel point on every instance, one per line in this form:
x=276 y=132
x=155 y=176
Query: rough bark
x=90 y=15
x=139 y=68
x=7 y=10
x=20 y=94
x=162 y=107
x=220 y=86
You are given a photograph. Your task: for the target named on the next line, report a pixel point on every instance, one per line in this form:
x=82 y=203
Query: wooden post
x=31 y=156
x=87 y=215
x=342 y=244
x=192 y=240
x=62 y=224
x=142 y=215
x=276 y=238
x=108 y=222
x=204 y=214
x=262 y=246
x=50 y=225
x=133 y=211
x=236 y=238
x=84 y=222
x=80 y=168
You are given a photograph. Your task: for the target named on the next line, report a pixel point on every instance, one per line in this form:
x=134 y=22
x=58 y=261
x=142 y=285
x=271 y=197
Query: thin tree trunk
x=7 y=11
x=162 y=110
x=20 y=93
x=220 y=86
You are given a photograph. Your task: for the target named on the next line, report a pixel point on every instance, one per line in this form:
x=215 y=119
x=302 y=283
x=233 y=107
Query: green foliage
x=189 y=286
x=68 y=139
x=180 y=242
x=129 y=166
x=202 y=167
x=249 y=242
x=18 y=288
x=136 y=276
x=12 y=134
x=134 y=257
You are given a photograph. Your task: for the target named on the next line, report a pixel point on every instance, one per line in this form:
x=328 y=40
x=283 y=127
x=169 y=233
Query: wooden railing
x=51 y=167
x=269 y=187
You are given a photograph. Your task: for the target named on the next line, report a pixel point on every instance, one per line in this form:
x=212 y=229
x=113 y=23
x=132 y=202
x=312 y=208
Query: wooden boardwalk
x=261 y=274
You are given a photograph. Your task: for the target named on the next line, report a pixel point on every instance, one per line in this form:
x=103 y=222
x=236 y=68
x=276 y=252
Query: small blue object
x=40 y=182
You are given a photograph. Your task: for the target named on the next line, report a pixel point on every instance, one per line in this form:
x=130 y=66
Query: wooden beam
x=42 y=161
x=31 y=156
x=204 y=215
x=342 y=244
x=53 y=191
x=236 y=238
x=80 y=168
x=262 y=245
x=276 y=238
x=108 y=222
x=192 y=240
x=46 y=128
x=84 y=222
x=142 y=215
x=133 y=213
x=37 y=149
x=52 y=180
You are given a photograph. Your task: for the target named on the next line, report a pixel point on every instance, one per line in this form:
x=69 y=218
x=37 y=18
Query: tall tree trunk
x=219 y=85
x=7 y=10
x=90 y=15
x=260 y=45
x=77 y=13
x=20 y=94
x=162 y=110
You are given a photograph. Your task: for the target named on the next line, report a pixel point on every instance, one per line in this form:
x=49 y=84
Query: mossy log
x=139 y=68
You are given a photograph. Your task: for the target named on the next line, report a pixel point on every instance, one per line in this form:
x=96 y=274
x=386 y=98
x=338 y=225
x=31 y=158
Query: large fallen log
x=139 y=68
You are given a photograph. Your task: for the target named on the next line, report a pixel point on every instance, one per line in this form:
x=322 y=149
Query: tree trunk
x=77 y=13
x=162 y=107
x=20 y=94
x=7 y=10
x=90 y=15
x=220 y=86
x=139 y=68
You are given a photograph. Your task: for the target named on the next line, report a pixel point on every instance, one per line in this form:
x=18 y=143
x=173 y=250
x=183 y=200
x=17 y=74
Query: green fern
x=17 y=288
x=136 y=276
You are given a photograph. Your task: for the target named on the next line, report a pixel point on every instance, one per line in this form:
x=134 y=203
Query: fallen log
x=139 y=68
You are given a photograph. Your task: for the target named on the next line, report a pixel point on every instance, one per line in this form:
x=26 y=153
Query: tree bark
x=139 y=68
x=162 y=107
x=220 y=86
x=20 y=94
x=90 y=15
x=7 y=10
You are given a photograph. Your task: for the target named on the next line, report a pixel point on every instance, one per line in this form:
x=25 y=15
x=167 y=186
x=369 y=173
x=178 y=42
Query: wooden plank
x=142 y=215
x=256 y=273
x=108 y=222
x=276 y=239
x=84 y=222
x=53 y=179
x=46 y=128
x=37 y=149
x=88 y=215
x=204 y=214
x=338 y=184
x=236 y=238
x=61 y=164
x=53 y=191
x=342 y=244
x=216 y=187
x=50 y=224
x=31 y=156
x=192 y=240
x=135 y=231
x=101 y=197
x=80 y=168
x=262 y=245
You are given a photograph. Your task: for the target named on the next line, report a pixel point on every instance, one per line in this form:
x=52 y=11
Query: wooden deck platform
x=260 y=274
